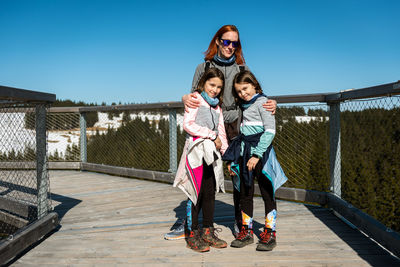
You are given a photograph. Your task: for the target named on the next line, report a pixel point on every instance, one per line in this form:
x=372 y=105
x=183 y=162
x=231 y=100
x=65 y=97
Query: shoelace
x=214 y=233
x=242 y=233
x=265 y=236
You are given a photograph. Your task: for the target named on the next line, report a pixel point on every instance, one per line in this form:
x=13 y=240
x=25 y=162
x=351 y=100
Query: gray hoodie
x=228 y=102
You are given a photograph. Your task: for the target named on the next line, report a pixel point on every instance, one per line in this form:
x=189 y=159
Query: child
x=200 y=172
x=251 y=155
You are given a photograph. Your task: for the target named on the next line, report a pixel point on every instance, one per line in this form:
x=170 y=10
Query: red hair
x=213 y=49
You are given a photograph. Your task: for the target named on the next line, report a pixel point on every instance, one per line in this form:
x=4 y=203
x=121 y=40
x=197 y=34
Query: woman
x=225 y=53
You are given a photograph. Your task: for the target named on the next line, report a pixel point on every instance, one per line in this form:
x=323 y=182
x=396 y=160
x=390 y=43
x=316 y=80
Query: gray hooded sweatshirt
x=229 y=108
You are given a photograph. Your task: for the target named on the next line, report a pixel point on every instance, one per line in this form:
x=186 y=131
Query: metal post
x=83 y=140
x=172 y=141
x=334 y=144
x=41 y=161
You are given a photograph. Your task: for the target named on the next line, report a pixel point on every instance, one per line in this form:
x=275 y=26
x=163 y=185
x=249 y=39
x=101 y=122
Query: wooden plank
x=11 y=93
x=13 y=220
x=64 y=109
x=20 y=208
x=27 y=236
x=17 y=165
x=129 y=172
x=31 y=165
x=161 y=105
x=300 y=98
x=303 y=195
x=64 y=165
x=368 y=92
x=295 y=194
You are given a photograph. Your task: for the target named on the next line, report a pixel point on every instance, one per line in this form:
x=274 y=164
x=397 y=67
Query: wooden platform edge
x=367 y=224
x=31 y=165
x=129 y=172
x=27 y=236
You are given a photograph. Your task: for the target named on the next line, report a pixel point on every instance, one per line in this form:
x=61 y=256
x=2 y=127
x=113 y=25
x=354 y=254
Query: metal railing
x=324 y=142
x=25 y=202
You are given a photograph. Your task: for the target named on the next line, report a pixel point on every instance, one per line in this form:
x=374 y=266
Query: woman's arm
x=222 y=133
x=190 y=101
x=270 y=105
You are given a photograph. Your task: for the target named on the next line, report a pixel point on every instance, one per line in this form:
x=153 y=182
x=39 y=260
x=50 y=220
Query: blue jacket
x=272 y=170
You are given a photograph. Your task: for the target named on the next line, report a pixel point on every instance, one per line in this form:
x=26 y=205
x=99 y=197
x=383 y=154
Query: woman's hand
x=218 y=143
x=251 y=164
x=270 y=105
x=190 y=101
x=231 y=173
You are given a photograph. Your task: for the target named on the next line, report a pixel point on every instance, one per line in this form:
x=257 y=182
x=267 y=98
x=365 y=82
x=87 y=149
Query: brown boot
x=195 y=242
x=209 y=235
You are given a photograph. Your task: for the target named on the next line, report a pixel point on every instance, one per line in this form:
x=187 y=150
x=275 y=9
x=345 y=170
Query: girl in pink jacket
x=203 y=172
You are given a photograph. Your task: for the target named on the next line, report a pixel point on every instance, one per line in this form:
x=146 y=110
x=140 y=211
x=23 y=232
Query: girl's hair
x=245 y=77
x=212 y=48
x=209 y=74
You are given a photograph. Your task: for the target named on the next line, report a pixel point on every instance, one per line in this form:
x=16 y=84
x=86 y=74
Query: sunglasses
x=235 y=44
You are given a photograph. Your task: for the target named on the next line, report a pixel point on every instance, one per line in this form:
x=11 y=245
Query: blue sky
x=147 y=51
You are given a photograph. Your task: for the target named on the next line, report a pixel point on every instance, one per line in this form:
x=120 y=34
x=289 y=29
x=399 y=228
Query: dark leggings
x=246 y=193
x=206 y=199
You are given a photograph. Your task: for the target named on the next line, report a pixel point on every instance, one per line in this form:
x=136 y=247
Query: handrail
x=368 y=92
x=169 y=105
x=16 y=94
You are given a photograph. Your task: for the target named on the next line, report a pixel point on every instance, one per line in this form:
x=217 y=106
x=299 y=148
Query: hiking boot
x=178 y=233
x=244 y=238
x=210 y=236
x=195 y=242
x=267 y=240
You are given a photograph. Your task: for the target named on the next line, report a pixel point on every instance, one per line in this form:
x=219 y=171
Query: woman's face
x=213 y=87
x=245 y=91
x=229 y=50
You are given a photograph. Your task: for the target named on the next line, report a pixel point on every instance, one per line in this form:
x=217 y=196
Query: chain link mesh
x=63 y=136
x=370 y=139
x=302 y=145
x=137 y=139
x=18 y=174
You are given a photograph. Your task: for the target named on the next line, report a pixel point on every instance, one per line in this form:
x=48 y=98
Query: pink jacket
x=205 y=122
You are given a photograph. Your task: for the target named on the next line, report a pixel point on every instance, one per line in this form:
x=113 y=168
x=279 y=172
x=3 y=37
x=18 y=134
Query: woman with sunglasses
x=225 y=53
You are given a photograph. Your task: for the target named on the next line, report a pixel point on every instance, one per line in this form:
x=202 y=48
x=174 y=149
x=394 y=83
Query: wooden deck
x=109 y=220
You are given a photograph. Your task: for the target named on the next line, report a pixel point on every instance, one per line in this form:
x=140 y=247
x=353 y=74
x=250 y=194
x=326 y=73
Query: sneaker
x=210 y=236
x=195 y=242
x=244 y=238
x=177 y=233
x=267 y=240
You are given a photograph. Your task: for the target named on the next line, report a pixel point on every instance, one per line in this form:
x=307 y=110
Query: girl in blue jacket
x=251 y=156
